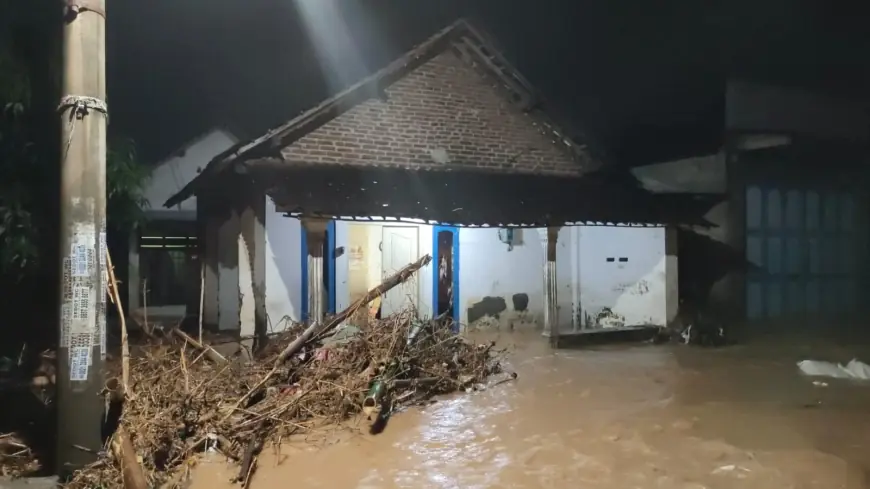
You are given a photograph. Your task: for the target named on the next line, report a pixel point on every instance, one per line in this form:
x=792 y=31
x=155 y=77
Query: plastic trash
x=854 y=370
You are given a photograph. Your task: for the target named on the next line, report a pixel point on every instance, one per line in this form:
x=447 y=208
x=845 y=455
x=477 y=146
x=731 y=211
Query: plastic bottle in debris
x=211 y=454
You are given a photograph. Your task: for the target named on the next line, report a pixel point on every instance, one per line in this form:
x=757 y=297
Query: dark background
x=642 y=80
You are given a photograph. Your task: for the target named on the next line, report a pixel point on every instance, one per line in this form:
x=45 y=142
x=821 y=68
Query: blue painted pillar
x=436 y=231
x=314 y=233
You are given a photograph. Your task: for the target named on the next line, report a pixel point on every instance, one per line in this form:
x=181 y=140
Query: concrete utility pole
x=81 y=352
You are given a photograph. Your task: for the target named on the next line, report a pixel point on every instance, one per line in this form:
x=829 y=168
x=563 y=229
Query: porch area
x=561 y=256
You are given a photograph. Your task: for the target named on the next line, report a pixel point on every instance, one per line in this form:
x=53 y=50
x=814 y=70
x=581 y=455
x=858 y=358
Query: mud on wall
x=623 y=276
x=502 y=286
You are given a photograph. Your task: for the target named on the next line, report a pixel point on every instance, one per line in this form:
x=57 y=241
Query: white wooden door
x=400 y=247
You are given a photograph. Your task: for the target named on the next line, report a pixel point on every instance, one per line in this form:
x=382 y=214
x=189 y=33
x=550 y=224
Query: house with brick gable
x=448 y=151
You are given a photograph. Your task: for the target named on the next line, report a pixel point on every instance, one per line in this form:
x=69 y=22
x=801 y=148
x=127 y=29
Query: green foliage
x=126 y=178
x=27 y=203
x=17 y=159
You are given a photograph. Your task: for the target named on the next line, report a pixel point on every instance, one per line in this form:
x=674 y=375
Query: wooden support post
x=315 y=230
x=209 y=226
x=672 y=279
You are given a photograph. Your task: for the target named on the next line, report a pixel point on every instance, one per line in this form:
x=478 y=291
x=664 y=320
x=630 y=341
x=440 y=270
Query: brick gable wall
x=442 y=113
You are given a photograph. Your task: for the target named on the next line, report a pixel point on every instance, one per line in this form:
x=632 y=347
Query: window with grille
x=169 y=264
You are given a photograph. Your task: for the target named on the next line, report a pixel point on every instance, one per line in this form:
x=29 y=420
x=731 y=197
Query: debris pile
x=16 y=458
x=185 y=404
x=184 y=398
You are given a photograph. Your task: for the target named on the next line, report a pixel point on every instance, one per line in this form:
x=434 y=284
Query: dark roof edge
x=342 y=101
x=273 y=140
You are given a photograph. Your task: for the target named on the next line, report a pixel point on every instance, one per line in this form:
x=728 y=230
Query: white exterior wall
x=488 y=268
x=283 y=269
x=170 y=176
x=635 y=290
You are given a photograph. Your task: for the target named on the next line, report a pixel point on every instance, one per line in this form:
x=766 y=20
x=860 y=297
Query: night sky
x=644 y=80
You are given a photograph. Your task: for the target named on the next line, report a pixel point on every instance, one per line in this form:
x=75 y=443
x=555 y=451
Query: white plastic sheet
x=854 y=370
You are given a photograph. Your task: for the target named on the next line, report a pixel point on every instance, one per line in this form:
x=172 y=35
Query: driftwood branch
x=201 y=296
x=210 y=352
x=122 y=446
x=333 y=322
x=249 y=456
x=125 y=345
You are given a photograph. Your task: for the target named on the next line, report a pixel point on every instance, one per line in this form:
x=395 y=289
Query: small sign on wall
x=356 y=257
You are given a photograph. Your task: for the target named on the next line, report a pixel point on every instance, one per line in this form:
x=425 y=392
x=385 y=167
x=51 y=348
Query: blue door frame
x=329 y=260
x=331 y=271
x=435 y=253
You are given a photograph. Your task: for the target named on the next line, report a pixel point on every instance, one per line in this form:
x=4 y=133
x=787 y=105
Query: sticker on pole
x=80 y=262
x=83 y=250
x=81 y=303
x=80 y=360
x=103 y=250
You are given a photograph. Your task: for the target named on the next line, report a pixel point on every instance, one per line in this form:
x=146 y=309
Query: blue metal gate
x=806 y=245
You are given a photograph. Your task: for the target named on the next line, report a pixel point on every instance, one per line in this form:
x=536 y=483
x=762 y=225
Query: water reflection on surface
x=619 y=417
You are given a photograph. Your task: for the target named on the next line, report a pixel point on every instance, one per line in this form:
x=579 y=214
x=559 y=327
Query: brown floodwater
x=639 y=416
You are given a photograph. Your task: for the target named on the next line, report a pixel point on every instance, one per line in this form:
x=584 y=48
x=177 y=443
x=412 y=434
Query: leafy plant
x=28 y=200
x=126 y=178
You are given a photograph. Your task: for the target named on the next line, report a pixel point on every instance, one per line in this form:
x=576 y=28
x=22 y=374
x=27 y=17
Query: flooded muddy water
x=623 y=417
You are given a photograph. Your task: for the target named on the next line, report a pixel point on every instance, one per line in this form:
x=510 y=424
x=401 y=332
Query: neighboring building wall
x=703 y=174
x=804 y=210
x=700 y=174
x=170 y=176
x=443 y=113
x=167 y=178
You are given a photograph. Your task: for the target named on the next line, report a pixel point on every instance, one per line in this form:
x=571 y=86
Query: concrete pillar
x=672 y=276
x=550 y=236
x=574 y=247
x=208 y=249
x=228 y=269
x=315 y=233
x=252 y=269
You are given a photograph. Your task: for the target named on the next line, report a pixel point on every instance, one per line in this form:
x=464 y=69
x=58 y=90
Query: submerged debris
x=184 y=398
x=185 y=404
x=16 y=458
